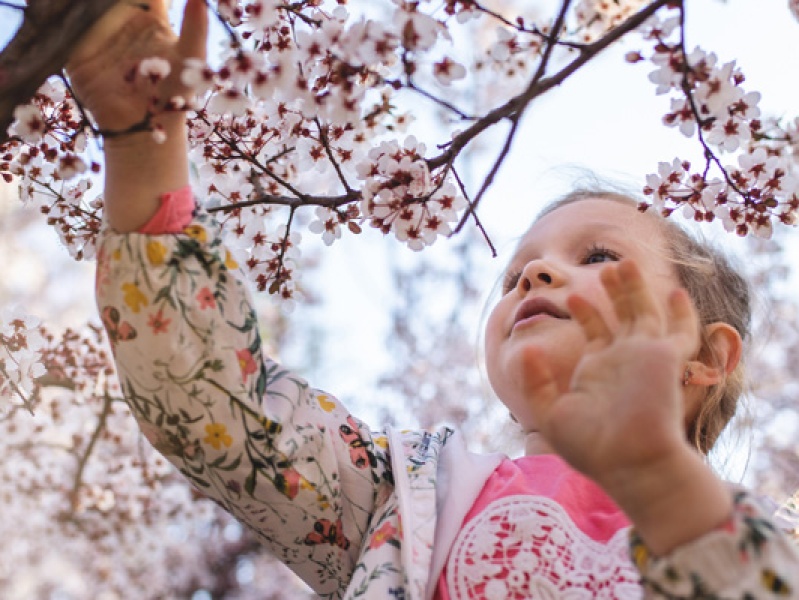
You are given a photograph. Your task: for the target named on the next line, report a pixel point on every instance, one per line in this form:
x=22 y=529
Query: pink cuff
x=174 y=214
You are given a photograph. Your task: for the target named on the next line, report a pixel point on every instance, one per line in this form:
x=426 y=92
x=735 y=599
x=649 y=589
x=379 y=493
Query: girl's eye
x=511 y=281
x=599 y=254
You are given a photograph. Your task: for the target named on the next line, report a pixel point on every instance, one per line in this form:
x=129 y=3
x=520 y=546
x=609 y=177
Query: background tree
x=329 y=118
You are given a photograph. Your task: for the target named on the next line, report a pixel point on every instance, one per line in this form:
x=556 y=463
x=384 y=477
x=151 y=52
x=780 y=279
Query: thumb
x=194 y=30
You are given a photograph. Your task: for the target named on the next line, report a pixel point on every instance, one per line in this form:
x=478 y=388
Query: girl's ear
x=720 y=356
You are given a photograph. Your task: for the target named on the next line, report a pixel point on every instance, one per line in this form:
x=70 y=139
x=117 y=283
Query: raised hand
x=105 y=73
x=104 y=68
x=622 y=422
x=624 y=411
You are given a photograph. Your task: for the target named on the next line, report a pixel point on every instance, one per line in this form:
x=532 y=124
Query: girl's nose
x=536 y=274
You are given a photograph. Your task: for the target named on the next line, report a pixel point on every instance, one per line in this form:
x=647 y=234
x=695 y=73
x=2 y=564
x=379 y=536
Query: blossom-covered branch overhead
x=305 y=121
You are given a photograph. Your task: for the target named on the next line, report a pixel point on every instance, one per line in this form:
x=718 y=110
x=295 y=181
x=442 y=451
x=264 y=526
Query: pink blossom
x=154 y=69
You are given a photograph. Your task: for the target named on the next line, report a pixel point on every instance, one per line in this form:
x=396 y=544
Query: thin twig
x=478 y=223
x=284 y=245
x=102 y=420
x=489 y=178
x=710 y=156
x=409 y=84
x=544 y=85
x=26 y=402
x=516 y=119
x=84 y=115
x=329 y=151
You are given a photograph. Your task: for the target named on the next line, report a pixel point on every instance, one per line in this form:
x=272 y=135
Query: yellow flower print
x=217 y=435
x=134 y=297
x=230 y=262
x=197 y=232
x=325 y=402
x=640 y=555
x=116 y=254
x=381 y=441
x=156 y=252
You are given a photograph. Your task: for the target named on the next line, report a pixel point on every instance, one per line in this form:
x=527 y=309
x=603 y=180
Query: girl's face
x=562 y=254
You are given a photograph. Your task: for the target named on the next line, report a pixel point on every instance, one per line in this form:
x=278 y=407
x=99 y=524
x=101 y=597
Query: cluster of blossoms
x=711 y=104
x=401 y=196
x=292 y=114
x=596 y=17
x=47 y=154
x=21 y=344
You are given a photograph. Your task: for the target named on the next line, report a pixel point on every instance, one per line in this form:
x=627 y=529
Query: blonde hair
x=720 y=294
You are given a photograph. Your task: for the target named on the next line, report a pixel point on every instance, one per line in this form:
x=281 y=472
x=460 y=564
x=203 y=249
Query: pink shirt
x=539 y=529
x=174 y=213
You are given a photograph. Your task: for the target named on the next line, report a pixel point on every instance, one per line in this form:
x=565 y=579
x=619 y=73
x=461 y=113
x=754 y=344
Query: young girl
x=596 y=348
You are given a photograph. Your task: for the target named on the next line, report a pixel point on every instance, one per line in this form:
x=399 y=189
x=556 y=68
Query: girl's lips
x=537 y=309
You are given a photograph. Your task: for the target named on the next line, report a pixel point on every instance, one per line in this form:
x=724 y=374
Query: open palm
x=104 y=67
x=624 y=410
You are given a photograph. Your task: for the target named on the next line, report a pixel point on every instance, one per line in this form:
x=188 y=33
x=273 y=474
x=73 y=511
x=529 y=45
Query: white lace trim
x=528 y=547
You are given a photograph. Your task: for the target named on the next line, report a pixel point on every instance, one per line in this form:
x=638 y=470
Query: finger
x=609 y=276
x=683 y=321
x=537 y=382
x=157 y=7
x=194 y=30
x=111 y=23
x=632 y=297
x=594 y=326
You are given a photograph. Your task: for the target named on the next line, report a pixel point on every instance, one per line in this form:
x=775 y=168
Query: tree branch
x=540 y=86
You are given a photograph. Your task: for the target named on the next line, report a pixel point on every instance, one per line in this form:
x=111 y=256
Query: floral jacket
x=357 y=514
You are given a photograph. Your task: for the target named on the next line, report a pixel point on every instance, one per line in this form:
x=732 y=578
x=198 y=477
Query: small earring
x=686 y=376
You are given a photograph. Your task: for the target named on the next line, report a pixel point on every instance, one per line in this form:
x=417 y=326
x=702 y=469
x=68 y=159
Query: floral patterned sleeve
x=748 y=558
x=284 y=458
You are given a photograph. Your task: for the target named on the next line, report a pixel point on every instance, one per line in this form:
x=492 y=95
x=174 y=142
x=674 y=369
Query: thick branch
x=49 y=32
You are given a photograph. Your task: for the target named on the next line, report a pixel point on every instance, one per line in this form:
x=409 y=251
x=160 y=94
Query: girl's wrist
x=139 y=170
x=673 y=502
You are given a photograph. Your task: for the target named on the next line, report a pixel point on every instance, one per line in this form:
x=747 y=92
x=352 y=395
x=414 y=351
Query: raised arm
x=104 y=71
x=284 y=458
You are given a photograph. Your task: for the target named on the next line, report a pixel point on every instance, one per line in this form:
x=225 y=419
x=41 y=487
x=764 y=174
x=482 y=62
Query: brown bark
x=49 y=31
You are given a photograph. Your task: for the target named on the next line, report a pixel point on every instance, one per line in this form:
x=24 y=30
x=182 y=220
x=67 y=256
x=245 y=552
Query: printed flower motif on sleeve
x=134 y=298
x=359 y=452
x=290 y=482
x=247 y=363
x=205 y=298
x=327 y=532
x=385 y=533
x=217 y=436
x=117 y=331
x=230 y=262
x=156 y=252
x=762 y=561
x=197 y=232
x=325 y=403
x=158 y=323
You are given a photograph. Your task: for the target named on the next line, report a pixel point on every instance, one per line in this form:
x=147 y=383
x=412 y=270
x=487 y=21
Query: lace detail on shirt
x=528 y=547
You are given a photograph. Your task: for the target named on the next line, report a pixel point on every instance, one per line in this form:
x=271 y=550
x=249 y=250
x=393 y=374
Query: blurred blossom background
x=87 y=511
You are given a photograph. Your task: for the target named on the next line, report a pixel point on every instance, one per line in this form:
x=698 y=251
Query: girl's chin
x=535 y=444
